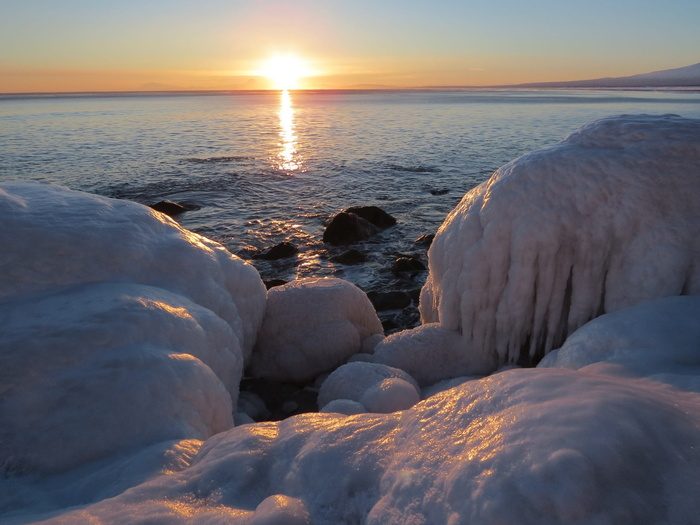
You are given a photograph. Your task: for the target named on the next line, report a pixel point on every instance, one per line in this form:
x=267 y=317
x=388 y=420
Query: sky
x=125 y=45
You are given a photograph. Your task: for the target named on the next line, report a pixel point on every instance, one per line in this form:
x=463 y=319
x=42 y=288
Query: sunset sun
x=285 y=71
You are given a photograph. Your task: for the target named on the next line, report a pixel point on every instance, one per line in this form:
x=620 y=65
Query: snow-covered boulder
x=377 y=387
x=312 y=326
x=526 y=446
x=118 y=329
x=52 y=236
x=659 y=339
x=606 y=219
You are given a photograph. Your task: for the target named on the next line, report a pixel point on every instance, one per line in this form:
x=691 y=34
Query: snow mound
x=353 y=380
x=390 y=395
x=658 y=339
x=52 y=236
x=311 y=326
x=527 y=446
x=604 y=220
x=119 y=329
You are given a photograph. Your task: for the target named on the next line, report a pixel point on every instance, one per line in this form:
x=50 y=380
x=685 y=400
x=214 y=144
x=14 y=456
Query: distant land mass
x=688 y=76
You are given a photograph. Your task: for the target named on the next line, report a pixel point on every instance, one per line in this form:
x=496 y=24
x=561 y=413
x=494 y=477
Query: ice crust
x=119 y=329
x=658 y=339
x=312 y=326
x=527 y=446
x=377 y=387
x=606 y=219
x=606 y=430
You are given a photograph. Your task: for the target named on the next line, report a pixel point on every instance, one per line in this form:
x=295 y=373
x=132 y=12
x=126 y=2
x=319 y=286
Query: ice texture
x=658 y=339
x=312 y=326
x=605 y=431
x=526 y=446
x=606 y=219
x=353 y=381
x=119 y=329
x=52 y=236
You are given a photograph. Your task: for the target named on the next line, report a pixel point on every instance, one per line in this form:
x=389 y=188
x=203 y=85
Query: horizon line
x=529 y=86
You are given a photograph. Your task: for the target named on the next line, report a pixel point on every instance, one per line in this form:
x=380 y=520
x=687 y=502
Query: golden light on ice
x=285 y=71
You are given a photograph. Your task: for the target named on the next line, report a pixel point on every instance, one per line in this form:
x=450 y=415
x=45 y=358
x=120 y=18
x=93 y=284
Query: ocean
x=267 y=167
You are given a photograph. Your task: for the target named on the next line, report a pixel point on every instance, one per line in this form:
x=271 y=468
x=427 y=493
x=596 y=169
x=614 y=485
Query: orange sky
x=81 y=45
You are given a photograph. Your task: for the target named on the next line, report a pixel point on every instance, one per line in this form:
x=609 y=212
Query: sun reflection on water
x=289 y=159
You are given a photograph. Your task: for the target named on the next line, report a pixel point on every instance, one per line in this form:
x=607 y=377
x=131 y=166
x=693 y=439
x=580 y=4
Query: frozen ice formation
x=659 y=339
x=312 y=326
x=119 y=328
x=606 y=219
x=377 y=387
x=526 y=446
x=129 y=367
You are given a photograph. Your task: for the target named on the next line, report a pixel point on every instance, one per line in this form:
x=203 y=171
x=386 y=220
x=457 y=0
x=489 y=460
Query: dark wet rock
x=425 y=240
x=347 y=228
x=415 y=295
x=281 y=399
x=407 y=265
x=352 y=256
x=405 y=320
x=393 y=300
x=389 y=324
x=271 y=283
x=442 y=191
x=173 y=208
x=373 y=214
x=278 y=251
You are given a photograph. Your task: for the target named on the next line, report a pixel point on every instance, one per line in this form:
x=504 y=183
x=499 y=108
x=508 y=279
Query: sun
x=285 y=71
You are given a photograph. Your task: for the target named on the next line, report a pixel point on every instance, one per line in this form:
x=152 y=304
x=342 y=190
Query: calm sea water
x=271 y=167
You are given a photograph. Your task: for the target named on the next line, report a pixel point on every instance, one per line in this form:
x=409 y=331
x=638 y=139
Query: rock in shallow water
x=347 y=228
x=357 y=223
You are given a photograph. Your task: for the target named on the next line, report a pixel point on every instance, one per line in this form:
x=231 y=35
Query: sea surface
x=267 y=167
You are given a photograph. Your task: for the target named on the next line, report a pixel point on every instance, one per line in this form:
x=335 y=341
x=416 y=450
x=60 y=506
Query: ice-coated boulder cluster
x=123 y=339
x=606 y=219
x=119 y=328
x=312 y=326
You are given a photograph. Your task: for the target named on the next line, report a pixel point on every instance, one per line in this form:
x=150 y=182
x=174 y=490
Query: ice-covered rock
x=390 y=395
x=526 y=446
x=353 y=380
x=659 y=339
x=52 y=236
x=119 y=329
x=311 y=326
x=606 y=219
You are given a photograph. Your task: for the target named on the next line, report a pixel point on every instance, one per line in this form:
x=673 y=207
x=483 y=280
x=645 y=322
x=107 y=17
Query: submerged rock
x=278 y=251
x=407 y=265
x=173 y=208
x=393 y=300
x=350 y=257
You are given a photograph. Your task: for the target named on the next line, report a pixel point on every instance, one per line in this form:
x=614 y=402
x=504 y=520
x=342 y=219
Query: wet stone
x=425 y=240
x=173 y=208
x=407 y=265
x=348 y=228
x=350 y=257
x=279 y=251
x=393 y=300
x=373 y=214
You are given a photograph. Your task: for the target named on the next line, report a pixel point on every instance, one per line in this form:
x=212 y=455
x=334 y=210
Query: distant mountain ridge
x=688 y=76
